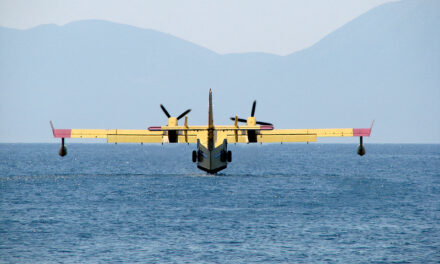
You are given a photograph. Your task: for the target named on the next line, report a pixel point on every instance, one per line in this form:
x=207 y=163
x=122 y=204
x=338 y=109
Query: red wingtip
x=61 y=133
x=363 y=132
x=266 y=127
x=155 y=128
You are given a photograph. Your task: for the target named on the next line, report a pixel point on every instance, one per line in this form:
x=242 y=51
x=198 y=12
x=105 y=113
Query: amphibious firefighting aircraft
x=212 y=153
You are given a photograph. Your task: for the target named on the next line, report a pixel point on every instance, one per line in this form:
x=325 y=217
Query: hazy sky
x=224 y=26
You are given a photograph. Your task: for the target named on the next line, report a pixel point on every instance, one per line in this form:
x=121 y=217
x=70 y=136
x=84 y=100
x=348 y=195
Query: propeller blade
x=165 y=111
x=264 y=123
x=239 y=119
x=253 y=108
x=183 y=114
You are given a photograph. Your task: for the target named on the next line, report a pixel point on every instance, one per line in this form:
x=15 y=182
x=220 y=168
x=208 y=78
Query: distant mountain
x=384 y=65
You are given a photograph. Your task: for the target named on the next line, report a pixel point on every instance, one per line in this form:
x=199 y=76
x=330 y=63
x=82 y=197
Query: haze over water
x=274 y=203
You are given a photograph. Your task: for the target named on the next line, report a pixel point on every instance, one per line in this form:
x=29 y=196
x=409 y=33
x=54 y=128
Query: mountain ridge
x=101 y=74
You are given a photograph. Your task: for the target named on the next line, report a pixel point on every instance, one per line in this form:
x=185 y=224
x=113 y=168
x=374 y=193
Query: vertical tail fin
x=210 y=118
x=210 y=124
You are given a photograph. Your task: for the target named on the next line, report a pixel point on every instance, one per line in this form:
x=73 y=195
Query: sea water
x=291 y=203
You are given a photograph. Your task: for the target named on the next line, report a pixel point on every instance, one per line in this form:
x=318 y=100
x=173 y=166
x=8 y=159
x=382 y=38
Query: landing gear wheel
x=223 y=156
x=194 y=156
x=229 y=156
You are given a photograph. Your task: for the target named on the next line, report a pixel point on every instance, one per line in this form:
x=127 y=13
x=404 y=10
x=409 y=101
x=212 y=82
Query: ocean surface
x=290 y=203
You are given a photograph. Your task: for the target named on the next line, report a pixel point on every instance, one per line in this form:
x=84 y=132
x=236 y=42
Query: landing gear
x=194 y=156
x=197 y=156
x=226 y=156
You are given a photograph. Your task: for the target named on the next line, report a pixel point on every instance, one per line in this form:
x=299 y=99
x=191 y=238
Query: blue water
x=298 y=203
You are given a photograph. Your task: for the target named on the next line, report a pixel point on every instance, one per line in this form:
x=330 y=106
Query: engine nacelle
x=252 y=136
x=172 y=136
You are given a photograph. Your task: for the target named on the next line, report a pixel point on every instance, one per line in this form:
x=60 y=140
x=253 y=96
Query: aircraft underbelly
x=210 y=161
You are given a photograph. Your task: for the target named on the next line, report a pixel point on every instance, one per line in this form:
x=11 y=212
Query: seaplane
x=211 y=154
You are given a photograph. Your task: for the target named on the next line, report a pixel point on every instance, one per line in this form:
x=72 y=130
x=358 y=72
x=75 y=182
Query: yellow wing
x=190 y=134
x=293 y=135
x=159 y=135
x=302 y=135
x=113 y=135
x=126 y=135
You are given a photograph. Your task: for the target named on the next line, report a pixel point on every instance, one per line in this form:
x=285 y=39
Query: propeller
x=254 y=105
x=253 y=108
x=165 y=111
x=183 y=114
x=168 y=114
x=264 y=123
x=239 y=119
